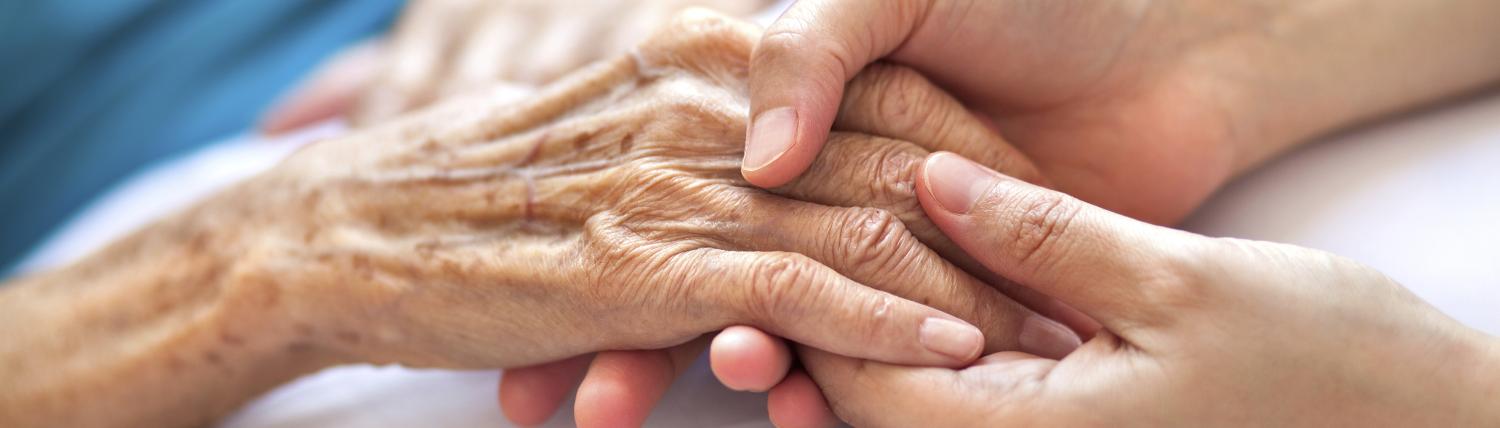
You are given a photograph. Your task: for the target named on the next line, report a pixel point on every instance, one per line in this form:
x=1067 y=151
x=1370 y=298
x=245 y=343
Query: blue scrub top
x=91 y=90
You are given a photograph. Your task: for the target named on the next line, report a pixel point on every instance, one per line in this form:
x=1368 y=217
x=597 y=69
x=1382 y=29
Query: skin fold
x=606 y=212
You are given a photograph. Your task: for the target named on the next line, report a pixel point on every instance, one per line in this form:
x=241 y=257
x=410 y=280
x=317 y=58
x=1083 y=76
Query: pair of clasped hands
x=1121 y=116
x=1096 y=121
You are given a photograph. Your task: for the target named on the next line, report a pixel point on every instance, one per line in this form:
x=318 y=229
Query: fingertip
x=781 y=144
x=620 y=388
x=529 y=396
x=305 y=106
x=797 y=402
x=521 y=404
x=747 y=359
x=951 y=338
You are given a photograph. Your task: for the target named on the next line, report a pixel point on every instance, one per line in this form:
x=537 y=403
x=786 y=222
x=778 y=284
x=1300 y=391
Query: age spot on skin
x=231 y=339
x=312 y=198
x=347 y=337
x=199 y=243
x=526 y=212
x=627 y=142
x=361 y=265
x=303 y=329
x=581 y=142
x=536 y=149
x=213 y=358
x=174 y=363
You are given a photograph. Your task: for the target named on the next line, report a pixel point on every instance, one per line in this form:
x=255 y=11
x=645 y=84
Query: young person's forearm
x=1488 y=395
x=160 y=329
x=1330 y=64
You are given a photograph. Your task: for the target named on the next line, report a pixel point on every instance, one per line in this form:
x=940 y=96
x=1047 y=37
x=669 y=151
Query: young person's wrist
x=1329 y=67
x=1488 y=389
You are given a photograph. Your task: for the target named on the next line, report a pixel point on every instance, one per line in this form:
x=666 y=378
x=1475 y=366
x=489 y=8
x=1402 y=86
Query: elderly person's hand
x=619 y=388
x=607 y=212
x=1198 y=331
x=442 y=48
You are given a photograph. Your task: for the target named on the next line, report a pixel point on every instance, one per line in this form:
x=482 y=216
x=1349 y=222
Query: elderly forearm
x=1328 y=64
x=160 y=329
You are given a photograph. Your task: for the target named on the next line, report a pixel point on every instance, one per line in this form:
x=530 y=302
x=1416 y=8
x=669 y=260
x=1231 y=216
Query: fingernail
x=956 y=183
x=1046 y=338
x=771 y=134
x=954 y=339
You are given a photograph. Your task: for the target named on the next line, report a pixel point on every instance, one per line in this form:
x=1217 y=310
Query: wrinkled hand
x=1198 y=331
x=607 y=212
x=441 y=48
x=619 y=388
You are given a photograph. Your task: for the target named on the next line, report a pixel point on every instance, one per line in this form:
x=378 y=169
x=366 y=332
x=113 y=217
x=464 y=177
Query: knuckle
x=903 y=100
x=873 y=240
x=896 y=168
x=876 y=319
x=894 y=187
x=780 y=284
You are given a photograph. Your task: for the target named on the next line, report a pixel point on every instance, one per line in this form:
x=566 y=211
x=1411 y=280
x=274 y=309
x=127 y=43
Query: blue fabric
x=91 y=90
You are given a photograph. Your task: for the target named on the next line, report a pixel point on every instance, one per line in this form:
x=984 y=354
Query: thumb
x=1109 y=266
x=798 y=72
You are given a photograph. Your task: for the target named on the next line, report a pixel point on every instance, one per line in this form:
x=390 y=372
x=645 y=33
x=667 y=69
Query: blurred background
x=93 y=90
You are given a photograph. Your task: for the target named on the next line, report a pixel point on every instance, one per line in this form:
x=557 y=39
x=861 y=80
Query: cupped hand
x=1197 y=331
x=442 y=48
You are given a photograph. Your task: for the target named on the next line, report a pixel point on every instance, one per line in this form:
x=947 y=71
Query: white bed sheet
x=1418 y=198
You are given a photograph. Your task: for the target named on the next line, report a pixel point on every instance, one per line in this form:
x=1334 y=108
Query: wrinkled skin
x=606 y=212
x=614 y=194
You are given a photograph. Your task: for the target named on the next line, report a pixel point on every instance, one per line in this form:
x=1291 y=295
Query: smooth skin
x=1198 y=331
x=1144 y=108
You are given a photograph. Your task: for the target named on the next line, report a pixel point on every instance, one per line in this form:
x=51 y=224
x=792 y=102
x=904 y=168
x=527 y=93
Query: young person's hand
x=1140 y=107
x=1198 y=331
